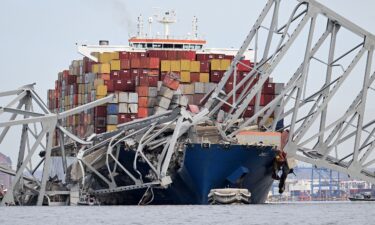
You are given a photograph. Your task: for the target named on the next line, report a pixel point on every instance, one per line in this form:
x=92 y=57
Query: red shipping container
x=268 y=88
x=104 y=76
x=145 y=62
x=172 y=55
x=249 y=112
x=191 y=55
x=123 y=118
x=229 y=87
x=205 y=57
x=162 y=75
x=153 y=81
x=194 y=77
x=123 y=55
x=142 y=91
x=163 y=55
x=135 y=63
x=153 y=72
x=266 y=99
x=129 y=85
x=216 y=76
x=170 y=82
x=65 y=74
x=144 y=72
x=142 y=80
x=143 y=102
x=244 y=66
x=197 y=98
x=115 y=75
x=101 y=121
x=110 y=85
x=124 y=64
x=153 y=53
x=100 y=111
x=154 y=63
x=71 y=79
x=135 y=73
x=125 y=75
x=99 y=130
x=205 y=66
x=231 y=57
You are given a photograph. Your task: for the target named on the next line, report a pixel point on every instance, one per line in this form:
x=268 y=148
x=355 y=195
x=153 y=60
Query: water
x=288 y=213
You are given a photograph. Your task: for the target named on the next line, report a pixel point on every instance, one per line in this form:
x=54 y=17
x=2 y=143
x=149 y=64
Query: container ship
x=153 y=76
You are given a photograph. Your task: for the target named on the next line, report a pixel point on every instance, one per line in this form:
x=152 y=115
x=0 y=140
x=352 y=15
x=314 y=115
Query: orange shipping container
x=142 y=91
x=185 y=65
x=185 y=77
x=195 y=66
x=154 y=63
x=104 y=76
x=143 y=112
x=171 y=83
x=175 y=66
x=105 y=68
x=165 y=66
x=115 y=64
x=204 y=77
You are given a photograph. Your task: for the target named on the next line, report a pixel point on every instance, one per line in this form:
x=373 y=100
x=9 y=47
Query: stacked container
x=143 y=83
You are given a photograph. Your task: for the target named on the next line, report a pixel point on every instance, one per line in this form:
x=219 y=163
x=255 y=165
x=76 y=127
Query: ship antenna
x=168 y=18
x=195 y=27
x=140 y=26
x=150 y=20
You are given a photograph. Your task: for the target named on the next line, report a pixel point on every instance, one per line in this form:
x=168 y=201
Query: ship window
x=149 y=45
x=157 y=46
x=168 y=46
x=178 y=46
x=186 y=46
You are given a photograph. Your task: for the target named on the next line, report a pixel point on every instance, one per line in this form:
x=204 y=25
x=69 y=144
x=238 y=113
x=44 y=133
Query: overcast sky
x=38 y=37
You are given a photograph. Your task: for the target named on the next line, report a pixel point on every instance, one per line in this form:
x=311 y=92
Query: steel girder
x=318 y=133
x=38 y=124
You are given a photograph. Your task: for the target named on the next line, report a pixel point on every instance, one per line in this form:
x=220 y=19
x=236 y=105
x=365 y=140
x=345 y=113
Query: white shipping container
x=259 y=138
x=132 y=108
x=160 y=83
x=112 y=119
x=152 y=91
x=123 y=97
x=166 y=92
x=159 y=110
x=133 y=97
x=164 y=102
x=199 y=88
x=187 y=89
x=279 y=88
x=115 y=98
x=123 y=108
x=208 y=87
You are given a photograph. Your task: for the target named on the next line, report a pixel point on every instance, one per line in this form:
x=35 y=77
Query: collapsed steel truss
x=327 y=146
x=38 y=125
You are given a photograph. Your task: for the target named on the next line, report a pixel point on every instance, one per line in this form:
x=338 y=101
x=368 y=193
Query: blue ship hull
x=203 y=169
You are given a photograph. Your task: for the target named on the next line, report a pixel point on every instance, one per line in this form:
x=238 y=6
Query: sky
x=39 y=37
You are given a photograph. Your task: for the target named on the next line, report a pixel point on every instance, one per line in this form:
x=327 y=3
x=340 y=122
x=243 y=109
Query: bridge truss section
x=326 y=105
x=38 y=124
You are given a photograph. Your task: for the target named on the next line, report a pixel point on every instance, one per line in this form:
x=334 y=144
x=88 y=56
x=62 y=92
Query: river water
x=352 y=213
